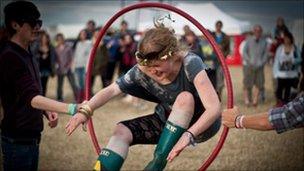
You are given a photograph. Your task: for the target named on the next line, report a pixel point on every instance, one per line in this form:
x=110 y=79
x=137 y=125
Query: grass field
x=243 y=149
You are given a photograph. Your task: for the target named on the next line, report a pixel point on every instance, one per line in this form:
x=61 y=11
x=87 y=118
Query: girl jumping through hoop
x=188 y=108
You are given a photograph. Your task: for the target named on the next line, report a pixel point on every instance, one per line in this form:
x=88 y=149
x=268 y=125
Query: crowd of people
x=117 y=49
x=279 y=51
x=160 y=68
x=68 y=58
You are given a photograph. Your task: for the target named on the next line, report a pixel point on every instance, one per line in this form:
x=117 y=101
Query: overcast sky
x=78 y=12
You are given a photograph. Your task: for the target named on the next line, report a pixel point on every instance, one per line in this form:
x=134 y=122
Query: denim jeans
x=80 y=74
x=19 y=156
x=60 y=82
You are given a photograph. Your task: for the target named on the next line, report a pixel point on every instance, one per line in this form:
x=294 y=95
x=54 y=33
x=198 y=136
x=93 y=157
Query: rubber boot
x=108 y=160
x=167 y=140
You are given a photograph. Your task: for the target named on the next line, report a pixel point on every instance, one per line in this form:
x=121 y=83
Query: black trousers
x=283 y=88
x=44 y=81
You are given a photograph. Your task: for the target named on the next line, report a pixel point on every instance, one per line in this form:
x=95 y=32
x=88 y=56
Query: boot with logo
x=108 y=160
x=169 y=137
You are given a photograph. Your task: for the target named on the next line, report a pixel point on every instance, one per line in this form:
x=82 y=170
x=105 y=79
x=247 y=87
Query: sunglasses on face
x=33 y=23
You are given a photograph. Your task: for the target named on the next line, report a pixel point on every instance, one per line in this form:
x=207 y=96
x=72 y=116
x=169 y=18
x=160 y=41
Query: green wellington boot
x=108 y=160
x=167 y=140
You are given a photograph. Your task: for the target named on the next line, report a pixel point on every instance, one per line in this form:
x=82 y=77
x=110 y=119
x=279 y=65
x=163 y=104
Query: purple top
x=64 y=58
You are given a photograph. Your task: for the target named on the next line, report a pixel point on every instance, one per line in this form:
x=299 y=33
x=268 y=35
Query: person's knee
x=183 y=109
x=123 y=132
x=185 y=101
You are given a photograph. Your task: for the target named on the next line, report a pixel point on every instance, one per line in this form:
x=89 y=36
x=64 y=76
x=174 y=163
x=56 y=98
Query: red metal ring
x=220 y=56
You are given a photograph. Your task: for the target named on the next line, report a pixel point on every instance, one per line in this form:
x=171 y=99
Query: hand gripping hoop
x=219 y=54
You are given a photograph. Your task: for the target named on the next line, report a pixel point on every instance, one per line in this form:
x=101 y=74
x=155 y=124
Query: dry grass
x=243 y=150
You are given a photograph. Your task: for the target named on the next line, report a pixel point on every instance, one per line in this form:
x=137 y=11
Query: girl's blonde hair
x=158 y=43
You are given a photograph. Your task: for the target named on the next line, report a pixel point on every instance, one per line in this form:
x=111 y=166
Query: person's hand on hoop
x=229 y=116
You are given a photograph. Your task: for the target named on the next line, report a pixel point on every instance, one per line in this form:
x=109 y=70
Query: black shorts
x=147 y=129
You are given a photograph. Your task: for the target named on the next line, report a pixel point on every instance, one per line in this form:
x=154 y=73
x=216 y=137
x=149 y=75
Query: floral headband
x=145 y=60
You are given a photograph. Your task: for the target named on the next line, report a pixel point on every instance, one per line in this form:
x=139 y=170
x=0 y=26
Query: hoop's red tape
x=220 y=56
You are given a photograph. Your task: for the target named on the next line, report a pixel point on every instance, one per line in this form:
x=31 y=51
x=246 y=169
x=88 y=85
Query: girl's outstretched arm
x=102 y=97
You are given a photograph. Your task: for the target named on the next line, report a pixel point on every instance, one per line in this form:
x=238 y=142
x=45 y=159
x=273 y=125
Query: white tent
x=207 y=14
x=297 y=28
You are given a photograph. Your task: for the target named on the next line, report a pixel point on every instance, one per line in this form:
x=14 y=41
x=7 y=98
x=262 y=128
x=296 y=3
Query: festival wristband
x=72 y=109
x=241 y=122
x=237 y=121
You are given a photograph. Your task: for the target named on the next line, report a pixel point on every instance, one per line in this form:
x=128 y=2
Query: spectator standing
x=286 y=69
x=124 y=29
x=100 y=62
x=127 y=48
x=20 y=90
x=82 y=52
x=90 y=29
x=64 y=63
x=280 y=29
x=223 y=42
x=193 y=42
x=112 y=44
x=45 y=53
x=254 y=59
x=278 y=36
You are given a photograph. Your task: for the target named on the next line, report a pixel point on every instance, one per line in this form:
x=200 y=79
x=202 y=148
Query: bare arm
x=104 y=96
x=246 y=53
x=98 y=100
x=210 y=101
x=47 y=104
x=258 y=121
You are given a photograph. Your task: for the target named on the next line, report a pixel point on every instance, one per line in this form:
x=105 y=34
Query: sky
x=56 y=12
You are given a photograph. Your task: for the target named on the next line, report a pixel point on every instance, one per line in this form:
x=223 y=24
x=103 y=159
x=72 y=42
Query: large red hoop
x=220 y=56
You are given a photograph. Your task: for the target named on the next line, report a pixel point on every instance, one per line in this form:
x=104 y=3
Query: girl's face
x=159 y=69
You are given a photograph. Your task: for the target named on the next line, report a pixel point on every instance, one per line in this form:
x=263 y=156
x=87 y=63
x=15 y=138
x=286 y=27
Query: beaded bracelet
x=86 y=110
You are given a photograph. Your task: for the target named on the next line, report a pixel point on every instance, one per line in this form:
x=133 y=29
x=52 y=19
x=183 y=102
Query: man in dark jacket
x=20 y=83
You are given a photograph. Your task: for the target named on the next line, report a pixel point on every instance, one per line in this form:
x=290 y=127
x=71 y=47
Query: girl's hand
x=229 y=115
x=182 y=143
x=74 y=122
x=52 y=117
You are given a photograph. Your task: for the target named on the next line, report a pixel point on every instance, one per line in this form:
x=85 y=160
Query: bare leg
x=246 y=96
x=113 y=156
x=256 y=93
